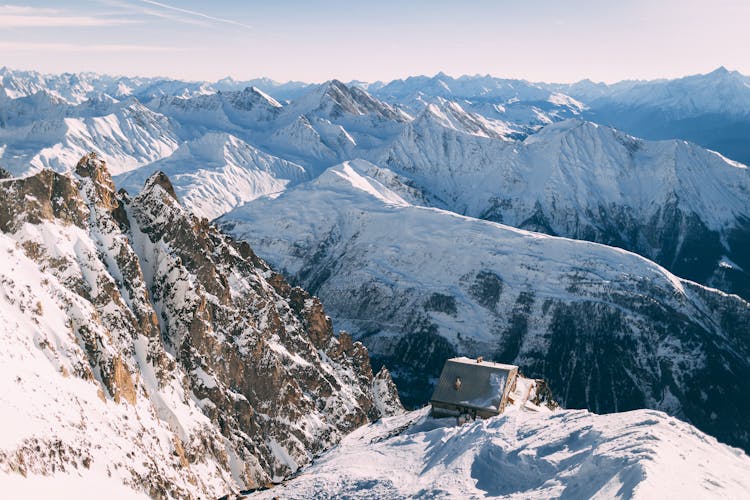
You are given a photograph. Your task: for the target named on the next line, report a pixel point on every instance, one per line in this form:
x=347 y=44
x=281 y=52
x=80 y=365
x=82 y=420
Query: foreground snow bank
x=84 y=487
x=522 y=454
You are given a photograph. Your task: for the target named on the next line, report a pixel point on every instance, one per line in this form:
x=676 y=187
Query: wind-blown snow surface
x=608 y=329
x=567 y=454
x=85 y=487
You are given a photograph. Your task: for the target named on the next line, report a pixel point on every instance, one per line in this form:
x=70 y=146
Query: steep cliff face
x=140 y=343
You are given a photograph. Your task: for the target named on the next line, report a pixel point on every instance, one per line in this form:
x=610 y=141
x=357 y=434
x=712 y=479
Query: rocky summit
x=144 y=346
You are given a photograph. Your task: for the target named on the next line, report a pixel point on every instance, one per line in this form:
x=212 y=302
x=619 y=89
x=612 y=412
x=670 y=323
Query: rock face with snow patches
x=142 y=344
x=608 y=329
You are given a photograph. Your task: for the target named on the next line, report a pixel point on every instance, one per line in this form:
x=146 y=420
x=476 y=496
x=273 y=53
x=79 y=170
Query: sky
x=317 y=40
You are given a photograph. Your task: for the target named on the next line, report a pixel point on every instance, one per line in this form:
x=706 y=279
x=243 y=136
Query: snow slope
x=608 y=329
x=575 y=165
x=84 y=487
x=523 y=454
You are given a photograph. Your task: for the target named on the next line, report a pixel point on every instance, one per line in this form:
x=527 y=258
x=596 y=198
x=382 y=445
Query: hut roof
x=480 y=384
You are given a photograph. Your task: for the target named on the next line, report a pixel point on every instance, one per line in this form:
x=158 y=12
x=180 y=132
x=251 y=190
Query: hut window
x=457 y=383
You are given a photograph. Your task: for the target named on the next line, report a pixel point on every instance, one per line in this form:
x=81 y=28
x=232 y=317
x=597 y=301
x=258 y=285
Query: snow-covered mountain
x=720 y=91
x=284 y=92
x=218 y=172
x=41 y=131
x=608 y=329
x=76 y=88
x=522 y=454
x=333 y=122
x=142 y=345
x=450 y=115
x=232 y=111
x=676 y=203
x=327 y=124
x=526 y=104
x=712 y=110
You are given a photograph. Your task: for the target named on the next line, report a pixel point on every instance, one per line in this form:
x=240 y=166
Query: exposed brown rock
x=41 y=197
x=160 y=179
x=93 y=167
x=259 y=355
x=122 y=383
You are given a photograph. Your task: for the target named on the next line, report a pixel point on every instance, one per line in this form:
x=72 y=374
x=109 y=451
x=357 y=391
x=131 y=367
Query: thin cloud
x=153 y=12
x=17 y=16
x=196 y=14
x=72 y=47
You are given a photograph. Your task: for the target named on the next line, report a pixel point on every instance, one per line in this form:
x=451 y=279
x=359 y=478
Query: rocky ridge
x=178 y=361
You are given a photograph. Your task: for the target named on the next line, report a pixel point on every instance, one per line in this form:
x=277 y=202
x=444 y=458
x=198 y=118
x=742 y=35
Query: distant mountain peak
x=721 y=70
x=334 y=99
x=451 y=115
x=270 y=100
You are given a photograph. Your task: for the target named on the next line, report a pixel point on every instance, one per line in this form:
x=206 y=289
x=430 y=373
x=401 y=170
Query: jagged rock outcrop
x=178 y=362
x=386 y=394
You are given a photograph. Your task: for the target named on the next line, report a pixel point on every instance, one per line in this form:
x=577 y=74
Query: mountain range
x=597 y=235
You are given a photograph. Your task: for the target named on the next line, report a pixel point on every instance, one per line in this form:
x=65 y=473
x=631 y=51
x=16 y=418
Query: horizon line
x=716 y=69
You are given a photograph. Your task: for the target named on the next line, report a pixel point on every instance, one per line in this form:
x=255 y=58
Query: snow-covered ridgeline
x=671 y=201
x=218 y=172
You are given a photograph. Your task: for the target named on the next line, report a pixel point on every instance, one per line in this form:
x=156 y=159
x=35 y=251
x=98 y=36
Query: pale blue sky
x=550 y=40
